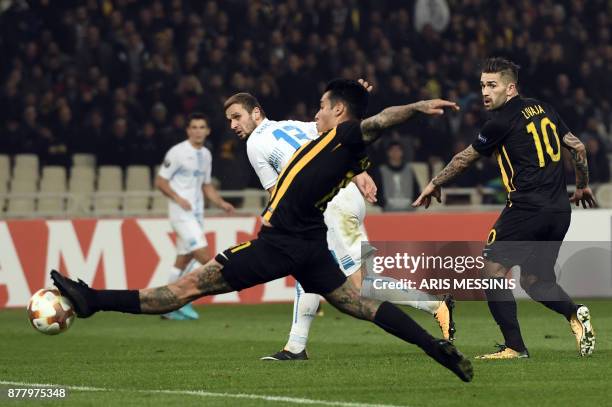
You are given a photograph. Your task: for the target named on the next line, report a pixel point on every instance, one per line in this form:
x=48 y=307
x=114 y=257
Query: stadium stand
x=110 y=83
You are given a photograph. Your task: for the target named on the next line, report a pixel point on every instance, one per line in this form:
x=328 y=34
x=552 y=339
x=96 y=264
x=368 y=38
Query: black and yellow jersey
x=526 y=136
x=313 y=176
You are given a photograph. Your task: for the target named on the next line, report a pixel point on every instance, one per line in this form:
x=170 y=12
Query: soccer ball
x=49 y=312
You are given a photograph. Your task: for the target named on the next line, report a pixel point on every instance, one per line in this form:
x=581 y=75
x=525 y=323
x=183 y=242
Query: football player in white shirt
x=185 y=178
x=270 y=145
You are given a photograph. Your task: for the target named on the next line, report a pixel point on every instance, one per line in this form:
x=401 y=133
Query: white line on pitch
x=201 y=393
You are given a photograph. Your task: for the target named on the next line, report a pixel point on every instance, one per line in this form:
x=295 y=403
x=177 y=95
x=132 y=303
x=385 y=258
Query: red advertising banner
x=139 y=252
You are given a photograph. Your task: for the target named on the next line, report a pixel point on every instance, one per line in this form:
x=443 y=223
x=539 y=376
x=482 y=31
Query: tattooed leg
x=348 y=299
x=206 y=280
x=386 y=315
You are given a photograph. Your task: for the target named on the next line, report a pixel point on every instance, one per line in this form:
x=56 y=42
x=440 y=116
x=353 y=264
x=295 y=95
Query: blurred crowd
x=117 y=78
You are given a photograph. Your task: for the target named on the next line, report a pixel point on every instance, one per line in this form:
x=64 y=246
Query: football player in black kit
x=526 y=136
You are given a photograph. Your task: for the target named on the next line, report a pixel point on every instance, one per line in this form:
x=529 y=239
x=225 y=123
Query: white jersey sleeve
x=171 y=164
x=262 y=165
x=273 y=143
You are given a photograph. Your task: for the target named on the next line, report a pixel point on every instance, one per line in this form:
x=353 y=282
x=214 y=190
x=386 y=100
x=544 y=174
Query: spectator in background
x=168 y=57
x=397 y=186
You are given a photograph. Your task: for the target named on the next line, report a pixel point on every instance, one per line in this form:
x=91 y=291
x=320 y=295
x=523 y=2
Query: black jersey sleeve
x=350 y=135
x=491 y=135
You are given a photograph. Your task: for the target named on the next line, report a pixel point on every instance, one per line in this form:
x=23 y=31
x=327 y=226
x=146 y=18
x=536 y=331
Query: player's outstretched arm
x=394 y=115
x=458 y=164
x=583 y=193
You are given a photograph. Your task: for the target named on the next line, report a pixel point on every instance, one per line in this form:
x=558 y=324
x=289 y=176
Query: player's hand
x=366 y=186
x=584 y=196
x=227 y=207
x=365 y=84
x=430 y=190
x=435 y=106
x=183 y=203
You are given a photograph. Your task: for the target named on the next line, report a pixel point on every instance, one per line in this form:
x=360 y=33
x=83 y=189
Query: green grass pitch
x=124 y=359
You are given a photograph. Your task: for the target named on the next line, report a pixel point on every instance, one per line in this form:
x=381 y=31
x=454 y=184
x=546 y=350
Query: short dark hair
x=503 y=66
x=351 y=93
x=246 y=100
x=196 y=116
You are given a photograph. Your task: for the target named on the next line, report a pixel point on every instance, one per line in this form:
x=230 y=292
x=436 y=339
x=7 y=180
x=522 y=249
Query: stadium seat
x=110 y=186
x=5 y=167
x=138 y=181
x=22 y=205
x=53 y=181
x=81 y=187
x=603 y=195
x=26 y=167
x=26 y=160
x=84 y=160
x=421 y=173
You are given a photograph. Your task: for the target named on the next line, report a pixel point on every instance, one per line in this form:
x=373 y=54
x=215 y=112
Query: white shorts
x=345 y=231
x=189 y=234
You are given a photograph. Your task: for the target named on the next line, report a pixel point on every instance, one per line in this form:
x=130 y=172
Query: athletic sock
x=413 y=298
x=397 y=323
x=304 y=310
x=117 y=300
x=551 y=295
x=503 y=308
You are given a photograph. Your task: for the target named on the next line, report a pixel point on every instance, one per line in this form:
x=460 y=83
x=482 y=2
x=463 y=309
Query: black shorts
x=530 y=239
x=275 y=254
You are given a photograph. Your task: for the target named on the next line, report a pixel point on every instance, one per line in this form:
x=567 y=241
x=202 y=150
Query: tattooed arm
x=583 y=193
x=205 y=280
x=394 y=115
x=458 y=164
x=579 y=158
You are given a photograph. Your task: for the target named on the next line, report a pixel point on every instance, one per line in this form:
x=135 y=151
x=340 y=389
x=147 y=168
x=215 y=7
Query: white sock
x=304 y=310
x=174 y=275
x=413 y=298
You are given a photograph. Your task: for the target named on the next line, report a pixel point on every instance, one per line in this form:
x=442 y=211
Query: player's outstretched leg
x=304 y=310
x=186 y=312
x=206 y=280
x=390 y=318
x=440 y=309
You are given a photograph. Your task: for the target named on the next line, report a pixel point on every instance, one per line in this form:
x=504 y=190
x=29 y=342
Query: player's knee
x=493 y=270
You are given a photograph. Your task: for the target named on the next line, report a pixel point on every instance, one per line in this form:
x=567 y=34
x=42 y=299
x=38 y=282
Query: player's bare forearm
x=579 y=158
x=206 y=280
x=164 y=186
x=391 y=116
x=394 y=115
x=211 y=193
x=458 y=164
